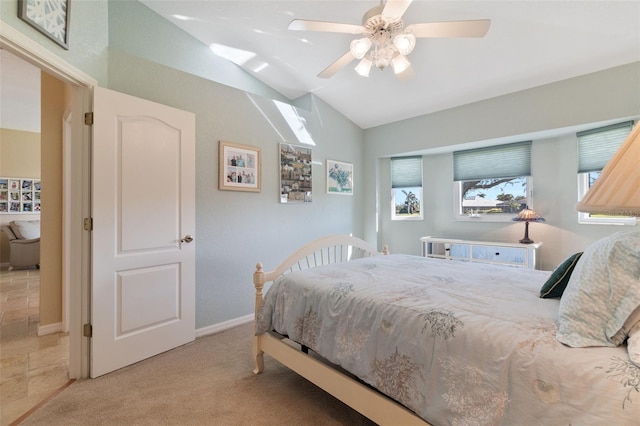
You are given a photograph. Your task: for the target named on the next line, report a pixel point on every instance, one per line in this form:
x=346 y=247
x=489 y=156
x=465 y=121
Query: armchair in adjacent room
x=24 y=243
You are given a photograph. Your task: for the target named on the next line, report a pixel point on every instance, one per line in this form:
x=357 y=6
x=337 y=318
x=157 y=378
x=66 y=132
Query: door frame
x=76 y=195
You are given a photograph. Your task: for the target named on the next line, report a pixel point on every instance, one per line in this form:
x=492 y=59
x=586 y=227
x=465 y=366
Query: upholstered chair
x=24 y=243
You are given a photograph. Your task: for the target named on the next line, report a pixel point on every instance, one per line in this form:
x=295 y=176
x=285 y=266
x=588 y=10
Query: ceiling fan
x=385 y=41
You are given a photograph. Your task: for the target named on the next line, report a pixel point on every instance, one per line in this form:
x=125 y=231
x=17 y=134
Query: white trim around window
x=588 y=219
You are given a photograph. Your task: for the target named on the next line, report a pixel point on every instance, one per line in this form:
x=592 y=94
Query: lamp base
x=526 y=239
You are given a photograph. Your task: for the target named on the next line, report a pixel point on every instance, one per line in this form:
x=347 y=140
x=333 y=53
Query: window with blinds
x=491 y=183
x=406 y=188
x=595 y=149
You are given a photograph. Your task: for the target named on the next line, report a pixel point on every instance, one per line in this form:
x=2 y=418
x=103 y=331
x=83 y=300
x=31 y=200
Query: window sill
x=491 y=218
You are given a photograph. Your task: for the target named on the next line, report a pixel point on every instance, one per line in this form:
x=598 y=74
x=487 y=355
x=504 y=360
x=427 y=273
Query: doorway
x=75 y=241
x=35 y=342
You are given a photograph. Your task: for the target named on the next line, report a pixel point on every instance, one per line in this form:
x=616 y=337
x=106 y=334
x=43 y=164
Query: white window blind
x=597 y=146
x=511 y=160
x=406 y=172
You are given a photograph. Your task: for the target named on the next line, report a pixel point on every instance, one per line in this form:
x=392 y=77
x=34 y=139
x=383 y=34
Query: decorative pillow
x=603 y=291
x=26 y=229
x=632 y=327
x=557 y=282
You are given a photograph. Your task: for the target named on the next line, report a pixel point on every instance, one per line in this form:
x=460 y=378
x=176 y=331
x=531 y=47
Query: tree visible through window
x=406 y=188
x=492 y=196
x=492 y=183
x=407 y=202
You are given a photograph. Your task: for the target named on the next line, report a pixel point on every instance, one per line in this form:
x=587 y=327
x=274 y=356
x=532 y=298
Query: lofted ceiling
x=529 y=43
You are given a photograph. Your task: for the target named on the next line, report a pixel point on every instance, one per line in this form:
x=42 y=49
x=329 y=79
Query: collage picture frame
x=295 y=174
x=240 y=167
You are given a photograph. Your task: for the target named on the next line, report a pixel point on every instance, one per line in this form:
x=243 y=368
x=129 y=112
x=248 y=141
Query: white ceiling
x=530 y=43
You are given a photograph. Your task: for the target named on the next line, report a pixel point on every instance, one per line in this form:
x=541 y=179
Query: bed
x=412 y=340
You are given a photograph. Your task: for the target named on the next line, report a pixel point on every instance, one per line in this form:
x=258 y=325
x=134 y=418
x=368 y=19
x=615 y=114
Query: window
x=595 y=149
x=492 y=183
x=406 y=188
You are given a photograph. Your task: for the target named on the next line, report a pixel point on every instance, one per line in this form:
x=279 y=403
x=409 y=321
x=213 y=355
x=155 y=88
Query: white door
x=143 y=209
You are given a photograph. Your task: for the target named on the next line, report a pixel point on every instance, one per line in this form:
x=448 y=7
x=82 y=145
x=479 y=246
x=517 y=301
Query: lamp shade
x=528 y=215
x=363 y=67
x=404 y=43
x=617 y=190
x=400 y=63
x=360 y=47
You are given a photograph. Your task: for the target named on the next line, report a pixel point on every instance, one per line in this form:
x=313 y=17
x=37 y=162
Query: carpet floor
x=206 y=382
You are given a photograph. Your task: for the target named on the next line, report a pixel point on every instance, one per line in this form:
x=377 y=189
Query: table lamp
x=527 y=215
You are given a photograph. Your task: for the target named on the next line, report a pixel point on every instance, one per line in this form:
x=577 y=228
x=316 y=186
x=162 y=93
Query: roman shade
x=501 y=161
x=597 y=146
x=406 y=172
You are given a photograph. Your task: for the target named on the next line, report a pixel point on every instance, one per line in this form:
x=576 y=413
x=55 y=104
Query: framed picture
x=19 y=195
x=295 y=174
x=239 y=167
x=50 y=17
x=339 y=177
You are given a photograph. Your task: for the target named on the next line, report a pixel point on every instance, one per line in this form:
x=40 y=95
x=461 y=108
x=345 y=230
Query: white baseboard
x=200 y=332
x=222 y=326
x=49 y=328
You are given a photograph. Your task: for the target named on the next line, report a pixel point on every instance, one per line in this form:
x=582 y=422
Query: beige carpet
x=207 y=382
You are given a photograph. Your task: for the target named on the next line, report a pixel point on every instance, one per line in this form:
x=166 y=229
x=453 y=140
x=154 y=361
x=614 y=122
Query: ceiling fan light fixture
x=360 y=47
x=363 y=67
x=404 y=43
x=400 y=63
x=381 y=62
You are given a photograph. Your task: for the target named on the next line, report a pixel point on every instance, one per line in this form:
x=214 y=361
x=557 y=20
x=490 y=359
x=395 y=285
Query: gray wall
x=148 y=57
x=234 y=230
x=88 y=35
x=549 y=115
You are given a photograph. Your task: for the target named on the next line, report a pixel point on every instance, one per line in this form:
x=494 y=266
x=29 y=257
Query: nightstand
x=507 y=254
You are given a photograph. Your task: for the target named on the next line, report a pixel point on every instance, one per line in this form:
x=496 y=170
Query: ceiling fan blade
x=329 y=27
x=337 y=65
x=394 y=9
x=474 y=28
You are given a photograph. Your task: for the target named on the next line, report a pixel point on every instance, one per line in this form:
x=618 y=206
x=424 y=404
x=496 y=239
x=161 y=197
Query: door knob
x=187 y=239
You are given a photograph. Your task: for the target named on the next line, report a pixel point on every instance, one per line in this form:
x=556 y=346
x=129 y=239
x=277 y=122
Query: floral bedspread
x=459 y=343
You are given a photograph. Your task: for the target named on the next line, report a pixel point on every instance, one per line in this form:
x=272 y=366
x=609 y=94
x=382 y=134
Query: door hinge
x=88 y=224
x=88 y=118
x=87 y=330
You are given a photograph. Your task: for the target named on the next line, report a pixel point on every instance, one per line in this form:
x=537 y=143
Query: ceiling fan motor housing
x=381 y=33
x=373 y=21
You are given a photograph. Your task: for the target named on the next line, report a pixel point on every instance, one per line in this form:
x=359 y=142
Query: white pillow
x=602 y=293
x=26 y=229
x=633 y=344
x=632 y=328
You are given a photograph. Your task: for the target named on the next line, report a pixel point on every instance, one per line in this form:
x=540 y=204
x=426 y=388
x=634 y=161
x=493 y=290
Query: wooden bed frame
x=360 y=397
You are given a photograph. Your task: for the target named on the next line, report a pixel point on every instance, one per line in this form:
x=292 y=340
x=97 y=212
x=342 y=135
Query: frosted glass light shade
x=617 y=190
x=364 y=67
x=360 y=47
x=404 y=43
x=400 y=63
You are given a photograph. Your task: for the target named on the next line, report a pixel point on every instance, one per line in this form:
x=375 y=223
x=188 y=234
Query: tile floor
x=31 y=367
